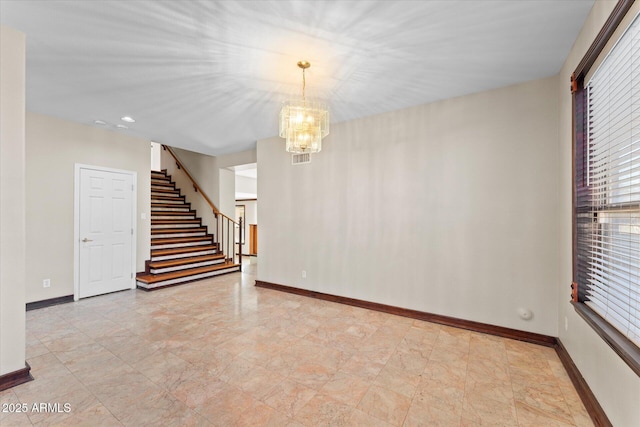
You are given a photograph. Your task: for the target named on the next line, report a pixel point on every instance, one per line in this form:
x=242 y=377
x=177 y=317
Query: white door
x=105 y=232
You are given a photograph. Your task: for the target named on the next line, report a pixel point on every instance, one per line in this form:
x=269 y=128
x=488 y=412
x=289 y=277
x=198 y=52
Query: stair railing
x=225 y=227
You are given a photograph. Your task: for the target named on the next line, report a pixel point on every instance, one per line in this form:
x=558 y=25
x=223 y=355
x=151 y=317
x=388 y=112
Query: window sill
x=626 y=349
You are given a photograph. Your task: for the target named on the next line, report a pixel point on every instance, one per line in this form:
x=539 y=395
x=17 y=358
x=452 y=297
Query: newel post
x=240 y=244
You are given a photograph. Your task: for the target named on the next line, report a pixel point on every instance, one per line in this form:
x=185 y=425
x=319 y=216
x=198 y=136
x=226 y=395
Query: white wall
x=227 y=182
x=54 y=146
x=156 y=155
x=12 y=201
x=614 y=384
x=449 y=208
x=228 y=179
x=246 y=185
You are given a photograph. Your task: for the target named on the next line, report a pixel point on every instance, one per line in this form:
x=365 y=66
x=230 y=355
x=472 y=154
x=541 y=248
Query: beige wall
x=236 y=159
x=200 y=167
x=615 y=385
x=211 y=174
x=54 y=146
x=227 y=198
x=203 y=169
x=227 y=178
x=12 y=201
x=449 y=208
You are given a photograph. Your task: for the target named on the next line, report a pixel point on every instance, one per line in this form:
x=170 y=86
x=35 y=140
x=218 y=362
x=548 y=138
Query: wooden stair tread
x=173 y=198
x=171 y=213
x=168 y=185
x=170 y=240
x=178 y=251
x=174 y=221
x=154 y=278
x=172 y=193
x=178 y=230
x=165 y=189
x=170 y=205
x=182 y=261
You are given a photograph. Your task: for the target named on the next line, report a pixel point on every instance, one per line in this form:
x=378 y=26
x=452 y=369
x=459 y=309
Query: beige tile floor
x=222 y=352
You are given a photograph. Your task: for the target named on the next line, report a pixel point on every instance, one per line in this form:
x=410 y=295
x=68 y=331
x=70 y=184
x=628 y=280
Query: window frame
x=623 y=346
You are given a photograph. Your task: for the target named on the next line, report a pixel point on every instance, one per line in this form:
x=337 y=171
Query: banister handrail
x=230 y=219
x=193 y=181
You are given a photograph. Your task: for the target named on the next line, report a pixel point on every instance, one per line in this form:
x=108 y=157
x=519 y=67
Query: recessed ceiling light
x=100 y=122
x=127 y=119
x=122 y=127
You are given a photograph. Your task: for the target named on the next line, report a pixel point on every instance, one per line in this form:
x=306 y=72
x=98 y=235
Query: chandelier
x=304 y=123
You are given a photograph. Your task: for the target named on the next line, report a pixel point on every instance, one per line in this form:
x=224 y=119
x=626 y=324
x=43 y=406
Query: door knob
x=85 y=240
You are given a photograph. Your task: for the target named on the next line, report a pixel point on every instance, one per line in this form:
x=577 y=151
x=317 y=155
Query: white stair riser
x=173 y=202
x=186 y=266
x=180 y=245
x=175 y=193
x=185 y=216
x=178 y=225
x=188 y=278
x=165 y=209
x=185 y=255
x=185 y=234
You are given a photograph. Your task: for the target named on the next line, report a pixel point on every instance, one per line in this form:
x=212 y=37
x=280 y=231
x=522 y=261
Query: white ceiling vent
x=300 y=159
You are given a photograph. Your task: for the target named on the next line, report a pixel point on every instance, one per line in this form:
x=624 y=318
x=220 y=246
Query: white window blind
x=613 y=248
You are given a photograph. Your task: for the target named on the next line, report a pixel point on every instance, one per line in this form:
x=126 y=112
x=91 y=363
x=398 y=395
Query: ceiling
x=210 y=76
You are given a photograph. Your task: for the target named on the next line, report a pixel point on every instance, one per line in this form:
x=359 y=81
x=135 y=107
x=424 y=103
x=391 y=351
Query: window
x=607 y=192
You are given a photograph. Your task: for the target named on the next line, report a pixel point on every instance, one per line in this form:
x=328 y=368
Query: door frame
x=76 y=222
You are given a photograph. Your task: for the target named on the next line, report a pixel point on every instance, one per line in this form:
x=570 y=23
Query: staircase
x=182 y=250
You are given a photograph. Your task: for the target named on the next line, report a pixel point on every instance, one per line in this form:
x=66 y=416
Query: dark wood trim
x=609 y=27
x=420 y=315
x=589 y=400
x=186 y=281
x=623 y=347
x=574 y=234
x=49 y=302
x=246 y=200
x=15 y=378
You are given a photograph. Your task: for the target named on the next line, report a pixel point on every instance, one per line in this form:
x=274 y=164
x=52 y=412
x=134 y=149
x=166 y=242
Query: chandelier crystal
x=303 y=123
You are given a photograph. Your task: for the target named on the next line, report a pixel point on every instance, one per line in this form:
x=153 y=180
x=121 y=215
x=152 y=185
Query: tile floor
x=221 y=352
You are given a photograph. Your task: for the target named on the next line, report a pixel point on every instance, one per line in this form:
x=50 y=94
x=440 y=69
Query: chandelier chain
x=304 y=84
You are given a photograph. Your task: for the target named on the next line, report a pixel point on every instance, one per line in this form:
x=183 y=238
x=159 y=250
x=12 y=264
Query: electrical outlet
x=304 y=274
x=46 y=283
x=525 y=313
